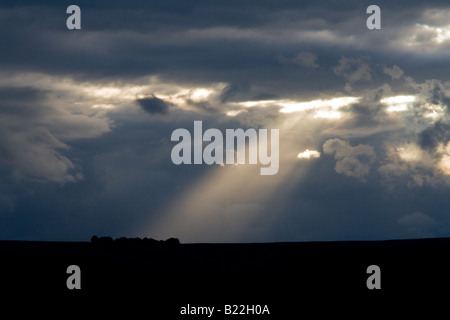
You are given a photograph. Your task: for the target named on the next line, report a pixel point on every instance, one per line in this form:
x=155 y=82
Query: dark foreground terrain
x=154 y=280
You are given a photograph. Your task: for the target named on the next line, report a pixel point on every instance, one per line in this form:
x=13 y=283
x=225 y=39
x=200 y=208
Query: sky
x=86 y=118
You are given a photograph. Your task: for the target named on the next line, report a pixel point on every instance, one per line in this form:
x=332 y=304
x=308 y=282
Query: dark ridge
x=124 y=241
x=158 y=278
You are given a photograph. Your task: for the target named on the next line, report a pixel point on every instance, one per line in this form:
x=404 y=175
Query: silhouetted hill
x=160 y=277
x=133 y=242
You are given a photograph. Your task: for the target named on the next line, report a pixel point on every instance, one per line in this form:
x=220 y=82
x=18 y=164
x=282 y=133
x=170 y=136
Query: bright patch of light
x=433 y=110
x=409 y=153
x=104 y=92
x=398 y=103
x=258 y=103
x=444 y=162
x=443 y=148
x=397 y=108
x=398 y=99
x=289 y=105
x=103 y=106
x=308 y=154
x=335 y=103
x=122 y=93
x=233 y=113
x=442 y=34
x=201 y=94
x=174 y=100
x=323 y=114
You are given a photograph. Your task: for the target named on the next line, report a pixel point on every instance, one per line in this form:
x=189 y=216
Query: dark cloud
x=234 y=91
x=369 y=109
x=21 y=101
x=437 y=93
x=432 y=91
x=153 y=105
x=202 y=42
x=429 y=138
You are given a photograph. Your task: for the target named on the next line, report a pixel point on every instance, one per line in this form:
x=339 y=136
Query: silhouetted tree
x=172 y=242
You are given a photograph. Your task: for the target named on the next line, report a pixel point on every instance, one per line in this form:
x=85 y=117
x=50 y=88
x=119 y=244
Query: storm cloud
x=153 y=105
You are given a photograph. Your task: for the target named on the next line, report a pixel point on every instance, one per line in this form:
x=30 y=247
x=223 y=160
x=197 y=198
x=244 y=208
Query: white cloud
x=324 y=105
x=398 y=103
x=309 y=154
